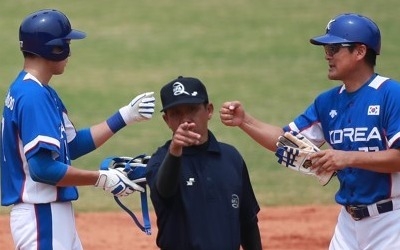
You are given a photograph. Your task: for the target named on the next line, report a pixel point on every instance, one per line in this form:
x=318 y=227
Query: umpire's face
x=199 y=114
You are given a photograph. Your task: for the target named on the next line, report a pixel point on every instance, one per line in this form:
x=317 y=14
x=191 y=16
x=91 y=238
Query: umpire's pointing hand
x=184 y=136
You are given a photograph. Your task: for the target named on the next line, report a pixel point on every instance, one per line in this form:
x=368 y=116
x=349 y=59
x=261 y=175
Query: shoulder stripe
x=343 y=88
x=377 y=82
x=41 y=138
x=28 y=76
x=394 y=139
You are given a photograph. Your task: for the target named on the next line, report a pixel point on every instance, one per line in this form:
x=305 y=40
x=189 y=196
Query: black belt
x=359 y=212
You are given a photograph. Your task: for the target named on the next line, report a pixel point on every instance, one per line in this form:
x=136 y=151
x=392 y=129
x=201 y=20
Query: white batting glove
x=115 y=182
x=141 y=108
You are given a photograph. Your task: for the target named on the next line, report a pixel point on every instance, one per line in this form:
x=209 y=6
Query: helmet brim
x=327 y=39
x=76 y=34
x=183 y=101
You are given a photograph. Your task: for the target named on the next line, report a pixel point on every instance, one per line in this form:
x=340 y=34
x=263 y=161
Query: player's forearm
x=264 y=134
x=78 y=177
x=387 y=161
x=101 y=133
x=43 y=168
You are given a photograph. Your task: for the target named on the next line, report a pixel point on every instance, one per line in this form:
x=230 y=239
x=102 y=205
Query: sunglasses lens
x=332 y=49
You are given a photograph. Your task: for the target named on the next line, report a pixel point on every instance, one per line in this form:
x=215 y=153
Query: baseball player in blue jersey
x=200 y=188
x=39 y=141
x=360 y=121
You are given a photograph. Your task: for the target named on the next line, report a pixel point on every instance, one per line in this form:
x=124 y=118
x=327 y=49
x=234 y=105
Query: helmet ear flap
x=60 y=51
x=58 y=48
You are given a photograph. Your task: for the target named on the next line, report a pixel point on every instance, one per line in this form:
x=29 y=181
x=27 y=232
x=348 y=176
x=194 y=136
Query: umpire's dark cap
x=183 y=90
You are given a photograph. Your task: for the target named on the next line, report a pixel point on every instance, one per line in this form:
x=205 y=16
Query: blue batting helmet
x=351 y=28
x=47 y=33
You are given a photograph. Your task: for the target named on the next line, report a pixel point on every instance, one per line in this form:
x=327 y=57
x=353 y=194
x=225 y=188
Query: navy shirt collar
x=211 y=145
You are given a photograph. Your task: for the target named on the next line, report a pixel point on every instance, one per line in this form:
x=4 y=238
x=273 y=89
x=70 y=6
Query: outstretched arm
x=233 y=114
x=141 y=108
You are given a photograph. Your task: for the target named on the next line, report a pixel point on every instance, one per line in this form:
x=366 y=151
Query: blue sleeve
x=391 y=118
x=43 y=168
x=38 y=122
x=82 y=144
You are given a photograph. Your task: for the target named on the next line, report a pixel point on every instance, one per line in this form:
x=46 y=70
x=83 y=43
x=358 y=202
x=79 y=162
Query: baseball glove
x=135 y=169
x=293 y=151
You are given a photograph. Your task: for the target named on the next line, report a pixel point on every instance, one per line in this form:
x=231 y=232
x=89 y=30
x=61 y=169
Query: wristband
x=116 y=122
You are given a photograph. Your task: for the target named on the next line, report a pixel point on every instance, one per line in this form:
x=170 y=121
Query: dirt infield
x=282 y=228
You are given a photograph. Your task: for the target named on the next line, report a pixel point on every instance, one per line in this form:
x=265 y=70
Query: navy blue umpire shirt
x=214 y=199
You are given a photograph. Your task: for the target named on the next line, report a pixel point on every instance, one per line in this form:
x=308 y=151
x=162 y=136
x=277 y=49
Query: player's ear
x=361 y=50
x=210 y=110
x=165 y=118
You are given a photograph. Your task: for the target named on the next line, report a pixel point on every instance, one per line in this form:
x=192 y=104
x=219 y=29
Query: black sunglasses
x=332 y=49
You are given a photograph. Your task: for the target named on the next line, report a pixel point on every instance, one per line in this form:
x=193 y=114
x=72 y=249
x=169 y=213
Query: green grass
x=254 y=51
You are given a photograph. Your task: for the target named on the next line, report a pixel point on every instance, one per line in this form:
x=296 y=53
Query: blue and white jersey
x=34 y=118
x=365 y=120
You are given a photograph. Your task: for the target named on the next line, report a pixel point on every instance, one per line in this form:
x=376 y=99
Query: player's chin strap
x=135 y=169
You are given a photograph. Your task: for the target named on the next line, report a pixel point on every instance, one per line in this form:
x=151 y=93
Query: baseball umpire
x=200 y=188
x=39 y=141
x=360 y=120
